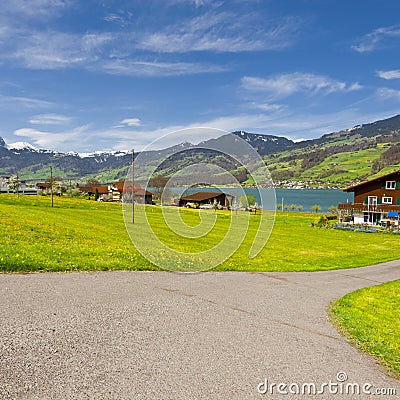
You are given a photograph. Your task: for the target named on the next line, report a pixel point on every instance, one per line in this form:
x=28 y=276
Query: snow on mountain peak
x=21 y=146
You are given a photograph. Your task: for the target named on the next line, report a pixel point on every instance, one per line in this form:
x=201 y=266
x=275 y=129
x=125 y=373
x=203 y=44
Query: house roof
x=201 y=196
x=45 y=185
x=143 y=192
x=92 y=189
x=126 y=186
x=379 y=178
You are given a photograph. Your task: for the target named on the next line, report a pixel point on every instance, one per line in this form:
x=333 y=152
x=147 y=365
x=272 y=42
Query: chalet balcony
x=360 y=207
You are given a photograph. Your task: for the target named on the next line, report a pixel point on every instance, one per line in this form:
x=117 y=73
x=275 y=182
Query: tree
x=14 y=183
x=332 y=209
x=158 y=183
x=54 y=183
x=247 y=200
x=300 y=207
x=96 y=194
x=92 y=182
x=316 y=207
x=279 y=206
x=293 y=207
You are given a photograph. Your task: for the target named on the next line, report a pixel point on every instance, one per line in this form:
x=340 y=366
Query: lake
x=305 y=197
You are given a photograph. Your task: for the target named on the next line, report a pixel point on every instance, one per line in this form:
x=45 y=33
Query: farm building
x=91 y=190
x=201 y=198
x=375 y=201
x=117 y=190
x=142 y=196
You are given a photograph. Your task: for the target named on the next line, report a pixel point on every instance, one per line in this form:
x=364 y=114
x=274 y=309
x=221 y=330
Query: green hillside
x=340 y=163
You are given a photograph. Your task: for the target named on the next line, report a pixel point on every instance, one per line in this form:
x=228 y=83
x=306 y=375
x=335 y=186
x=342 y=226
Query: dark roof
x=379 y=178
x=201 y=196
x=44 y=185
x=142 y=192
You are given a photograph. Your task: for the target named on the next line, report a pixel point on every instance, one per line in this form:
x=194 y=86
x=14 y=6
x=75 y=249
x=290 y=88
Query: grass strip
x=370 y=319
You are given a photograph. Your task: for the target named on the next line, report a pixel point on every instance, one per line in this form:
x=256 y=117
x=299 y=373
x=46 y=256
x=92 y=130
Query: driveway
x=160 y=335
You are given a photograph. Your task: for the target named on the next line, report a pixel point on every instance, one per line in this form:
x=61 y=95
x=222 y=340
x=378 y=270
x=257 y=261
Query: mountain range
x=341 y=157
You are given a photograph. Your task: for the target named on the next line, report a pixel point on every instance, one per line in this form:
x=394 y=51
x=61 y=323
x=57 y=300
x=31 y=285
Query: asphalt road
x=160 y=335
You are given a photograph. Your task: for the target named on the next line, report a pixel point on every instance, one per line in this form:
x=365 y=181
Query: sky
x=87 y=75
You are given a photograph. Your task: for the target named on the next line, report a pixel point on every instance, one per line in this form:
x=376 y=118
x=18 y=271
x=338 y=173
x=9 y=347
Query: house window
x=387 y=200
x=391 y=185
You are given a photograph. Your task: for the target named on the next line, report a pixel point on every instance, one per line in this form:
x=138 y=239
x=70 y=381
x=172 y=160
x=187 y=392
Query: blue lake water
x=305 y=197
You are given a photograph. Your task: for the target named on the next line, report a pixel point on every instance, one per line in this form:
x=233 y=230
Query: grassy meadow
x=85 y=235
x=369 y=317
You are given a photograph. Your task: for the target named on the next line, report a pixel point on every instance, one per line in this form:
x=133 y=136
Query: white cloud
x=221 y=32
x=268 y=107
x=117 y=52
x=284 y=85
x=49 y=119
x=54 y=140
x=25 y=102
x=373 y=40
x=120 y=18
x=196 y=3
x=146 y=68
x=387 y=93
x=34 y=8
x=393 y=74
x=53 y=50
x=131 y=122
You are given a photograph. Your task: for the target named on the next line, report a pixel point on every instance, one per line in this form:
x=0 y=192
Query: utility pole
x=51 y=185
x=133 y=186
x=17 y=185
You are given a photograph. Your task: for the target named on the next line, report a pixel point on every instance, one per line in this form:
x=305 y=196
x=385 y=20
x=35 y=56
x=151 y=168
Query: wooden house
x=142 y=196
x=201 y=198
x=91 y=189
x=375 y=200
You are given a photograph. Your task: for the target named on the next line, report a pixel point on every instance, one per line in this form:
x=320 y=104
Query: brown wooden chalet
x=142 y=196
x=117 y=190
x=91 y=189
x=201 y=198
x=375 y=201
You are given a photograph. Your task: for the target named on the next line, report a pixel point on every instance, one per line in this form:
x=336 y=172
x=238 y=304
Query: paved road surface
x=159 y=335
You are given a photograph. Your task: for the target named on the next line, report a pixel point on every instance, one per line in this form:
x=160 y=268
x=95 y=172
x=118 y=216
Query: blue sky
x=85 y=75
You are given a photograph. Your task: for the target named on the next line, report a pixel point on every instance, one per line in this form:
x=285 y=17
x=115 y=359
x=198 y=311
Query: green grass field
x=369 y=317
x=85 y=235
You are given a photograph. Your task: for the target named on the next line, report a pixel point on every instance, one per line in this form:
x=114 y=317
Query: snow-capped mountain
x=15 y=157
x=21 y=146
x=22 y=155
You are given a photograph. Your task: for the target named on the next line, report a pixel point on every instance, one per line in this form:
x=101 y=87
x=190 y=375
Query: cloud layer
x=284 y=85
